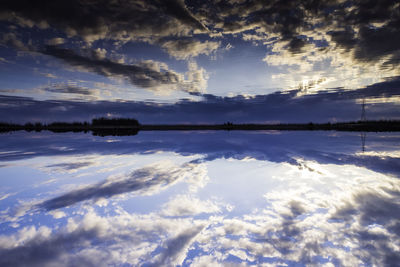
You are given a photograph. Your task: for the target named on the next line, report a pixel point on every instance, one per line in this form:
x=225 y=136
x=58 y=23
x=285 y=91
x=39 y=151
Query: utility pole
x=363 y=135
x=363 y=116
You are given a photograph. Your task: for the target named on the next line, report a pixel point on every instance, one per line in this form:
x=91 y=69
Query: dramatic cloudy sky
x=199 y=61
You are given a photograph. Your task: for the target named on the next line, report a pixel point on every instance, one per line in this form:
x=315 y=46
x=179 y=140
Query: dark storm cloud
x=178 y=9
x=377 y=43
x=346 y=39
x=296 y=45
x=378 y=29
x=368 y=29
x=142 y=180
x=141 y=76
x=95 y=20
x=284 y=19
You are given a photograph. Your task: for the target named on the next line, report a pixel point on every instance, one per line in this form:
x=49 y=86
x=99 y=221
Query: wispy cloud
x=70 y=89
x=189 y=48
x=145 y=181
x=70 y=165
x=141 y=76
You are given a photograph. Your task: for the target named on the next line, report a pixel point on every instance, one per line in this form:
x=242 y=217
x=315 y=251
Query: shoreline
x=112 y=127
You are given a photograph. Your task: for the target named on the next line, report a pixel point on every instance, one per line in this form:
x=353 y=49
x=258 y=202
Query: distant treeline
x=122 y=126
x=359 y=126
x=99 y=126
x=115 y=122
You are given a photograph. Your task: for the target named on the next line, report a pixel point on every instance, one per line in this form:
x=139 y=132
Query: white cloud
x=205 y=261
x=123 y=238
x=188 y=48
x=56 y=41
x=58 y=214
x=185 y=205
x=197 y=78
x=12 y=40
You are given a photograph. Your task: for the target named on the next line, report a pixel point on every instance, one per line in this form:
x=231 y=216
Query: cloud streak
x=188 y=48
x=70 y=89
x=176 y=248
x=146 y=181
x=140 y=76
x=70 y=166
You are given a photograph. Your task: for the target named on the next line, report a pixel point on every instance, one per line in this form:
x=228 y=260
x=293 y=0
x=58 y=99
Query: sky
x=177 y=61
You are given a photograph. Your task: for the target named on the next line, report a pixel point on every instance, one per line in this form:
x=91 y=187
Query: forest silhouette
x=127 y=126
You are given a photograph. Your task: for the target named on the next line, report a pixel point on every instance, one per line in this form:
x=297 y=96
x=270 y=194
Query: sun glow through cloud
x=199 y=133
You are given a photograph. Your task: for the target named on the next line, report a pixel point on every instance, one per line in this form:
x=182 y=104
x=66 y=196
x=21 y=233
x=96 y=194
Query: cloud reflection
x=322 y=147
x=123 y=239
x=340 y=215
x=145 y=181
